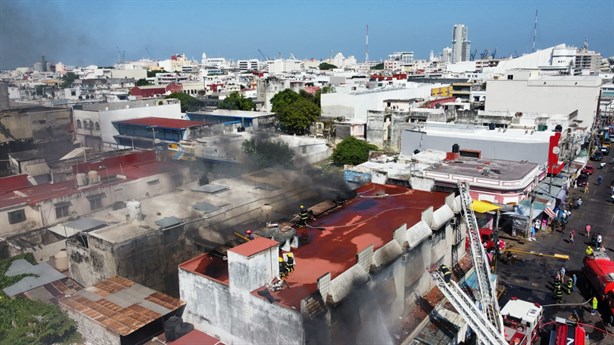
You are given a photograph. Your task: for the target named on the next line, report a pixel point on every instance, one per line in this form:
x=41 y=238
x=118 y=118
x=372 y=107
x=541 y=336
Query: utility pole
x=530 y=222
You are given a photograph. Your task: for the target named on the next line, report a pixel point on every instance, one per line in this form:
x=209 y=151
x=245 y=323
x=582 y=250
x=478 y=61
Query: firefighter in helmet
x=445 y=271
x=303 y=216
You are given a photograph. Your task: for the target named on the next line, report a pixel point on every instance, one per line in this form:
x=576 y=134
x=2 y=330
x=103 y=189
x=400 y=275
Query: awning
x=549 y=212
x=76 y=153
x=480 y=206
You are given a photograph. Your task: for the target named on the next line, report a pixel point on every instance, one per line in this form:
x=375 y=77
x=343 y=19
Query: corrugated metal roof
x=209 y=188
x=167 y=222
x=121 y=305
x=205 y=207
x=43 y=272
x=74 y=227
x=162 y=122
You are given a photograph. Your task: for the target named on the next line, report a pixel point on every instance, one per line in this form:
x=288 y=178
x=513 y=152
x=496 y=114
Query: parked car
x=588 y=170
x=605 y=150
x=582 y=180
x=597 y=156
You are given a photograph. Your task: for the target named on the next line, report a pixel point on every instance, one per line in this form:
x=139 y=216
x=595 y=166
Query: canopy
x=480 y=206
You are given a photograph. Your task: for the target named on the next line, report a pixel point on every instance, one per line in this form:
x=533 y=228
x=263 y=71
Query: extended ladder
x=485 y=330
x=486 y=289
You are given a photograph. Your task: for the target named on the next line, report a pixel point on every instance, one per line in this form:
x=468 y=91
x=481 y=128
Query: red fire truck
x=599 y=272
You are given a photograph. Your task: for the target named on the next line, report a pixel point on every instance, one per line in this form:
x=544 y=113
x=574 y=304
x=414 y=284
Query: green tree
x=264 y=153
x=236 y=101
x=294 y=113
x=352 y=151
x=25 y=321
x=68 y=79
x=188 y=103
x=152 y=73
x=325 y=66
x=379 y=66
x=142 y=82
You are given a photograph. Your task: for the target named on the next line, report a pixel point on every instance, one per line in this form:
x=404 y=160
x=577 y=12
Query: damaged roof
x=121 y=305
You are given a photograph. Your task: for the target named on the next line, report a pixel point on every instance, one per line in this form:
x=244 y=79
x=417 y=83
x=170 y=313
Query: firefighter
x=558 y=294
x=569 y=286
x=594 y=305
x=557 y=283
x=589 y=251
x=445 y=271
x=290 y=261
x=249 y=234
x=283 y=267
x=303 y=216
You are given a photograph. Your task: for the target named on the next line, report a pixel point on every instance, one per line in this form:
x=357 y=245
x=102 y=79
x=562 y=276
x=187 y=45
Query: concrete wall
x=249 y=273
x=546 y=94
x=92 y=332
x=355 y=105
x=33 y=220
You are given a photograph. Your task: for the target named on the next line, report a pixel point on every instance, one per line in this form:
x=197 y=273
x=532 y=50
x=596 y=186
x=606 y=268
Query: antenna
x=367 y=45
x=534 y=31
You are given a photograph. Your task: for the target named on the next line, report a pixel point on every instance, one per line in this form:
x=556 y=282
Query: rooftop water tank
x=61 y=261
x=93 y=177
x=133 y=209
x=81 y=180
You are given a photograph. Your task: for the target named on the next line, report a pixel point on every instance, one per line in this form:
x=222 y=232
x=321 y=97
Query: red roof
x=254 y=246
x=11 y=183
x=162 y=122
x=210 y=266
x=196 y=337
x=336 y=238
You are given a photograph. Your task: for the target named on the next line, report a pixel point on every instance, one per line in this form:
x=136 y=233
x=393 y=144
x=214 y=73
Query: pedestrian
x=572 y=234
x=578 y=203
x=586 y=189
x=574 y=279
x=594 y=305
x=562 y=271
x=587 y=228
x=575 y=183
x=532 y=238
x=563 y=226
x=599 y=179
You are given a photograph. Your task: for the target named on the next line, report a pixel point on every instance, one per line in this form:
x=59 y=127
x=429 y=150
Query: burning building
x=361 y=268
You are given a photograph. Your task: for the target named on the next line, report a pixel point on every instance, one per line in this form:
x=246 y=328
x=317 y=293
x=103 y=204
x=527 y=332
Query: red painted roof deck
x=209 y=266
x=196 y=337
x=11 y=183
x=162 y=122
x=254 y=246
x=363 y=221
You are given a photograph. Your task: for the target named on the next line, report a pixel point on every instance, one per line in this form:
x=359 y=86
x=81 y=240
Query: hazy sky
x=83 y=32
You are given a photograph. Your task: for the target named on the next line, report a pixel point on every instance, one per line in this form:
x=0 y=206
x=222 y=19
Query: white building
x=93 y=123
x=461 y=46
x=532 y=92
x=248 y=65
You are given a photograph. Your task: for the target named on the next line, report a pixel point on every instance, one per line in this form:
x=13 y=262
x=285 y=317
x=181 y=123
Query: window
x=79 y=124
x=95 y=203
x=510 y=77
x=153 y=182
x=17 y=216
x=61 y=209
x=97 y=126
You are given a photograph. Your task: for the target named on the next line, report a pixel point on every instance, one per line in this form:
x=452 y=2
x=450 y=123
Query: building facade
x=461 y=46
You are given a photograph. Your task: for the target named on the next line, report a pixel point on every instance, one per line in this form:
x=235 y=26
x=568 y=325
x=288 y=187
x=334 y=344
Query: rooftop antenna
x=534 y=31
x=585 y=46
x=367 y=45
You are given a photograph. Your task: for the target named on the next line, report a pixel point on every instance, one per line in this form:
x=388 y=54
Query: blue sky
x=82 y=32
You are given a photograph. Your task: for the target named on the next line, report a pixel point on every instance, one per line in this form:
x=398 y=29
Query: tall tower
x=461 y=46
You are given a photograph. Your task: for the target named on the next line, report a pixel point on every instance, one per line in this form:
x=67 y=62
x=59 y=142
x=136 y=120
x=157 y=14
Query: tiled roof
x=121 y=305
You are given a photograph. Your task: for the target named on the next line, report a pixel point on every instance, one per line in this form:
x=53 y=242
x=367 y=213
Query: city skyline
x=98 y=32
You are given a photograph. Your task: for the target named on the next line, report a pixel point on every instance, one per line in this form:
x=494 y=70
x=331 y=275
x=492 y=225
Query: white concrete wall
x=129 y=73
x=546 y=94
x=355 y=105
x=33 y=220
x=249 y=273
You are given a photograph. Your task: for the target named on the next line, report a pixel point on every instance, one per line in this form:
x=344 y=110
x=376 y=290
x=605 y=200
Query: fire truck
x=567 y=333
x=599 y=272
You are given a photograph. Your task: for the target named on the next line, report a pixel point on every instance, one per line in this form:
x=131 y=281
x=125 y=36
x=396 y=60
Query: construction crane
x=472 y=55
x=484 y=54
x=494 y=54
x=264 y=56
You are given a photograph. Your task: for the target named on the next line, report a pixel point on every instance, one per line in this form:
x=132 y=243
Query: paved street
x=531 y=277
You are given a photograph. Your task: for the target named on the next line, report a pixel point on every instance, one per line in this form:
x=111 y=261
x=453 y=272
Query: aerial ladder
x=486 y=294
x=484 y=329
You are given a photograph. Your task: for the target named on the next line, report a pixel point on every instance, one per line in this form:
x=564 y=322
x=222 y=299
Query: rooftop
x=233 y=113
x=162 y=122
x=121 y=305
x=254 y=247
x=336 y=237
x=483 y=133
x=485 y=168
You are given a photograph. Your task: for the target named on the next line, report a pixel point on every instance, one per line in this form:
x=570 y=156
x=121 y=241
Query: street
x=531 y=277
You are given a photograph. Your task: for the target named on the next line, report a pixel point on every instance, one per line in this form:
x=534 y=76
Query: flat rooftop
x=483 y=133
x=161 y=122
x=485 y=168
x=233 y=113
x=336 y=237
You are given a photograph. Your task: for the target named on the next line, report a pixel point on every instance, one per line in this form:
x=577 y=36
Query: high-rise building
x=461 y=46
